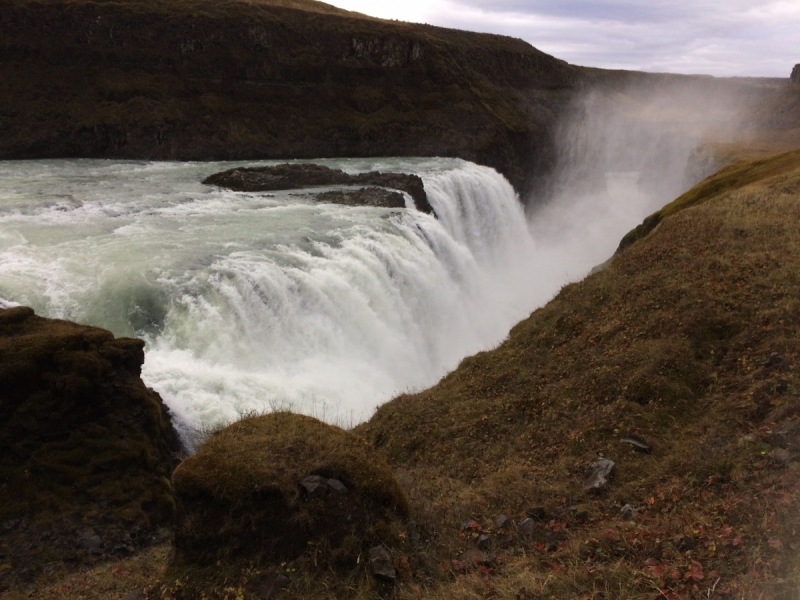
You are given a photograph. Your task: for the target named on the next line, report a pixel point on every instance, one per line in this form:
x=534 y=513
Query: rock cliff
x=86 y=450
x=198 y=80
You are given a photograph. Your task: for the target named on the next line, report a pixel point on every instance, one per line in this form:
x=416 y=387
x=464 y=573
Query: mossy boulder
x=241 y=497
x=83 y=442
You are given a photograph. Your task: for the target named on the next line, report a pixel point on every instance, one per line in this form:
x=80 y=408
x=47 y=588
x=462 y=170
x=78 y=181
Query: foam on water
x=252 y=302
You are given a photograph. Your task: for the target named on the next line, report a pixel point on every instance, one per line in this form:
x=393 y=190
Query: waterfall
x=257 y=302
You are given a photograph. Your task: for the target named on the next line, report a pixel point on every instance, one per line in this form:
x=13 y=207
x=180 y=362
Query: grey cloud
x=732 y=37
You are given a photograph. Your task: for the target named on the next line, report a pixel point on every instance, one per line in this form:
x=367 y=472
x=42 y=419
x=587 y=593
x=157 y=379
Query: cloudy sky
x=717 y=37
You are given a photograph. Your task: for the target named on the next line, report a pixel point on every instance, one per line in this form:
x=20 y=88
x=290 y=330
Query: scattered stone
x=599 y=475
x=639 y=443
x=502 y=522
x=774 y=360
x=538 y=513
x=381 y=564
x=785 y=436
x=90 y=541
x=526 y=527
x=780 y=456
x=337 y=486
x=314 y=486
x=471 y=525
x=628 y=513
x=134 y=595
x=484 y=542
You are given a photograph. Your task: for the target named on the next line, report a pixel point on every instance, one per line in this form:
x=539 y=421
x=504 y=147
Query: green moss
x=79 y=429
x=733 y=177
x=239 y=497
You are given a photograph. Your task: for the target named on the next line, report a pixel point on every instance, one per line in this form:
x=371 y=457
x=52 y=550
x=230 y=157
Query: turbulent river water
x=262 y=301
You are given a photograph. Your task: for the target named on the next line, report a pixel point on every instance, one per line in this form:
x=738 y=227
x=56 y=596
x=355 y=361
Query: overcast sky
x=717 y=37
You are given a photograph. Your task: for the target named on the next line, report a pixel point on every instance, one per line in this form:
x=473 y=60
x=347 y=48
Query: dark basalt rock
x=364 y=197
x=303 y=176
x=381 y=564
x=795 y=76
x=86 y=450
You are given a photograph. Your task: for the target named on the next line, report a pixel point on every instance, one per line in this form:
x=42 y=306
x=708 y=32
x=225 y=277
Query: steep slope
x=196 y=79
x=688 y=340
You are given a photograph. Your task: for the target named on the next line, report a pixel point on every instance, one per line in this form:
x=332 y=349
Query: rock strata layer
x=86 y=450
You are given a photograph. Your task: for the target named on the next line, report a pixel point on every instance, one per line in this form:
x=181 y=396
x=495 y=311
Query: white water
x=251 y=302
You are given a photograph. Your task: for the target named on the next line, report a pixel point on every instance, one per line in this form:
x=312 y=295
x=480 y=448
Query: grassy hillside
x=689 y=341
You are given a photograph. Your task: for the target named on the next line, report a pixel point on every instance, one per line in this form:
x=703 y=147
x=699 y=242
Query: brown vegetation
x=86 y=450
x=688 y=340
x=674 y=342
x=242 y=499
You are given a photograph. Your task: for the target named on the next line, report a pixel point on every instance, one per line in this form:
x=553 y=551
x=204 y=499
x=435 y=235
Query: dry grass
x=110 y=581
x=275 y=451
x=670 y=341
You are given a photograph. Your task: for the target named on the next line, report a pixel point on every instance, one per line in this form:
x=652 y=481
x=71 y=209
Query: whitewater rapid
x=251 y=302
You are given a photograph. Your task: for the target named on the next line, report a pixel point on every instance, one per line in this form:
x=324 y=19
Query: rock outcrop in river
x=302 y=176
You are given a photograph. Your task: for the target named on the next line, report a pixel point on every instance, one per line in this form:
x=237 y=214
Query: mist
x=622 y=154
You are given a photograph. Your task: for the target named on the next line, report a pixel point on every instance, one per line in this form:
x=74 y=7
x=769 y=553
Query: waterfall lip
x=251 y=301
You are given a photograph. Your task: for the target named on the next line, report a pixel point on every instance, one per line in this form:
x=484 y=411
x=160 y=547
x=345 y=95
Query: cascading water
x=252 y=302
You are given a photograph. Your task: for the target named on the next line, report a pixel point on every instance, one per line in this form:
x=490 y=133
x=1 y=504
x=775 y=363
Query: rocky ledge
x=86 y=450
x=302 y=176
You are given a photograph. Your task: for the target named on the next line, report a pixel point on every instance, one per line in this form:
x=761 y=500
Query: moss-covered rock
x=242 y=495
x=83 y=443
